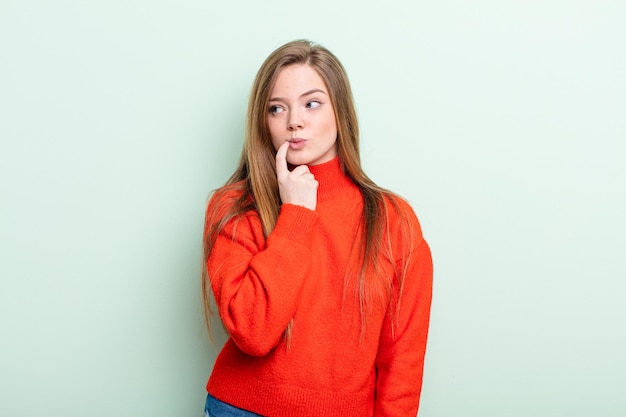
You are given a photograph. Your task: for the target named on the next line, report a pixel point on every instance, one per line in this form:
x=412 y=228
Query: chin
x=298 y=160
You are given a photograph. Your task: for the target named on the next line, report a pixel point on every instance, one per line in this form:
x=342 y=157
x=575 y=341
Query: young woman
x=322 y=278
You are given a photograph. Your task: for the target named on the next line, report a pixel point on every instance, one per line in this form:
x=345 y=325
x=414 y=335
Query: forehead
x=298 y=78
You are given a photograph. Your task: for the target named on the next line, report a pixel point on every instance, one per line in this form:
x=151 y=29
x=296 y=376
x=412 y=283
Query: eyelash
x=274 y=109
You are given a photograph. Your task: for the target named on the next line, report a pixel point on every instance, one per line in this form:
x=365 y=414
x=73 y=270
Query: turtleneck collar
x=331 y=178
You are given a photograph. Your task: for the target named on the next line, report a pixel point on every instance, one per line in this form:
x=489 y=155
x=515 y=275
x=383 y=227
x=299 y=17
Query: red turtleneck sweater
x=307 y=270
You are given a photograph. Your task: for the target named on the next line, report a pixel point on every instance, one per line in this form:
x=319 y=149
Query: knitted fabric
x=307 y=273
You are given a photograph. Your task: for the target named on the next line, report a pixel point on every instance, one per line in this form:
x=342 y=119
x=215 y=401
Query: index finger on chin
x=281 y=160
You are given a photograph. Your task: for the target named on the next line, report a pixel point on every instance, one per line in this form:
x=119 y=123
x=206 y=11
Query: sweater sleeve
x=402 y=346
x=257 y=283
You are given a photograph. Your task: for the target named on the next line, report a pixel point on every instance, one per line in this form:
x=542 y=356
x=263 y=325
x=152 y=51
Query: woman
x=322 y=279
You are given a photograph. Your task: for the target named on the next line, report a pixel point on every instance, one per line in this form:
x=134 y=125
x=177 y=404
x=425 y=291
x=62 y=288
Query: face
x=300 y=112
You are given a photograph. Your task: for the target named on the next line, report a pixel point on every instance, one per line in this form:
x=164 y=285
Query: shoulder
x=403 y=227
x=228 y=197
x=399 y=211
x=227 y=202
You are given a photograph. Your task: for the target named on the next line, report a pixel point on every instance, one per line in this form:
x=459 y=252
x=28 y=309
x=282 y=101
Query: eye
x=276 y=109
x=313 y=104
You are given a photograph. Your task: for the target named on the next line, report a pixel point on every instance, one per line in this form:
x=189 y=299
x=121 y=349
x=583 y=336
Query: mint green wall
x=503 y=123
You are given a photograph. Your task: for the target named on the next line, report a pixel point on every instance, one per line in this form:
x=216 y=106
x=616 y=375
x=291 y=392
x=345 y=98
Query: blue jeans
x=217 y=408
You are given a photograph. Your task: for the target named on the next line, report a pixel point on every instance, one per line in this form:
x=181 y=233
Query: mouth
x=296 y=143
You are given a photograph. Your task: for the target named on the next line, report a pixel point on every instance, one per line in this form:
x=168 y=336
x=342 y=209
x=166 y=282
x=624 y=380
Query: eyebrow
x=308 y=93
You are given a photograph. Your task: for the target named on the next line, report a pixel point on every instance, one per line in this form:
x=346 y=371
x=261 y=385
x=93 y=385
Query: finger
x=281 y=160
x=301 y=170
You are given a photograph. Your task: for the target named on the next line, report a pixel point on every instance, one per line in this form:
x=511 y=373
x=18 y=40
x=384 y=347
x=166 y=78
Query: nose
x=295 y=121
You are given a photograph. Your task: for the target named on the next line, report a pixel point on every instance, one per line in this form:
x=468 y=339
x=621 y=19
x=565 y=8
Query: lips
x=296 y=143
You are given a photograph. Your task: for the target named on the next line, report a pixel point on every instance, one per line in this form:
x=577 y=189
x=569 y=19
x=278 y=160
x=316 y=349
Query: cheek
x=331 y=125
x=274 y=136
x=271 y=128
x=329 y=121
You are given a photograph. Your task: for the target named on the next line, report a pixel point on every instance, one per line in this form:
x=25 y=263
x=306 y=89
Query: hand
x=297 y=187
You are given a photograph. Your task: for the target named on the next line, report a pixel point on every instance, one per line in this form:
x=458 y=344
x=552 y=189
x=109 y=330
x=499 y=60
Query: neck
x=330 y=177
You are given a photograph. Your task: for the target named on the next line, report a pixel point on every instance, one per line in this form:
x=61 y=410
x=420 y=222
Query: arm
x=400 y=358
x=257 y=283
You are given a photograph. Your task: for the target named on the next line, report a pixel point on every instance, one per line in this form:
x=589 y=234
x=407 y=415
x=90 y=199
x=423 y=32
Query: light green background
x=502 y=122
